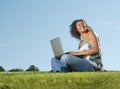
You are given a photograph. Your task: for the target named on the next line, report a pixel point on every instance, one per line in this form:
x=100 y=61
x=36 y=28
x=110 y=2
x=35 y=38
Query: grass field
x=73 y=80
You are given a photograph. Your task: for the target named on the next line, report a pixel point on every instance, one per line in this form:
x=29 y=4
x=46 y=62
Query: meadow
x=71 y=80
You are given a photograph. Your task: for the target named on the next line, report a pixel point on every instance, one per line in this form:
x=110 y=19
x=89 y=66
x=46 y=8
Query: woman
x=88 y=57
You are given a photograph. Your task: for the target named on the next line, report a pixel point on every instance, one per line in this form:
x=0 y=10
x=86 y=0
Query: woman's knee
x=53 y=59
x=65 y=58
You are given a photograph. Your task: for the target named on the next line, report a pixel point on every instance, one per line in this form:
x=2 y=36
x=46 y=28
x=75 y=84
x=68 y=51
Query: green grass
x=73 y=80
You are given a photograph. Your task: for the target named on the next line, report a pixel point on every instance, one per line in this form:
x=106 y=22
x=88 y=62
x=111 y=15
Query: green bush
x=32 y=68
x=2 y=69
x=16 y=70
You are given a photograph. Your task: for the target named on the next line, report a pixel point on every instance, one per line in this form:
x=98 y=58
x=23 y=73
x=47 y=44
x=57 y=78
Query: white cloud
x=108 y=23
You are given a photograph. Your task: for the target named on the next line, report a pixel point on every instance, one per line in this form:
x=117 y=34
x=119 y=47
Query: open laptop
x=57 y=47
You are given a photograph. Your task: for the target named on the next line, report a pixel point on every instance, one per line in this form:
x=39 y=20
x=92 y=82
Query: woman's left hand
x=73 y=53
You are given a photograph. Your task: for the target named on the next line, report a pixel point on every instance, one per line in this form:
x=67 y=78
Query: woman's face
x=80 y=27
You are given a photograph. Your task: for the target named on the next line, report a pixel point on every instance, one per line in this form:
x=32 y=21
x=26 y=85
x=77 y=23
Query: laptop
x=57 y=47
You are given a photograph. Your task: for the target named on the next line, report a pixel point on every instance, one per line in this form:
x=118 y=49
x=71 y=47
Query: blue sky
x=27 y=26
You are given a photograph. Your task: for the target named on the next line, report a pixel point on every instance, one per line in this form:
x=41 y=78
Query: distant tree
x=16 y=70
x=32 y=68
x=2 y=69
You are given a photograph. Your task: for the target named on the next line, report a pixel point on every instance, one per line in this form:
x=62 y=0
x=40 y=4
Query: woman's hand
x=73 y=53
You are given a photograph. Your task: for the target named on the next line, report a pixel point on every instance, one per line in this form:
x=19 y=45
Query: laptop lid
x=57 y=47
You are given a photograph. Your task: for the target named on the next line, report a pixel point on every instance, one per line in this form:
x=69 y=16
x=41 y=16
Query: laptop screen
x=57 y=47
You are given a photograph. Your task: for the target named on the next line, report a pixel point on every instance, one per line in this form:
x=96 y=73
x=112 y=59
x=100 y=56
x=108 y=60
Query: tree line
x=31 y=68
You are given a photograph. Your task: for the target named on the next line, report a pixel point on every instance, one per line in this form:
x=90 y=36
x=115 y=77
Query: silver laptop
x=57 y=47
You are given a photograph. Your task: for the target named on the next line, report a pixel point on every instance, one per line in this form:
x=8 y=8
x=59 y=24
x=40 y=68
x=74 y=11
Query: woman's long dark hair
x=73 y=29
